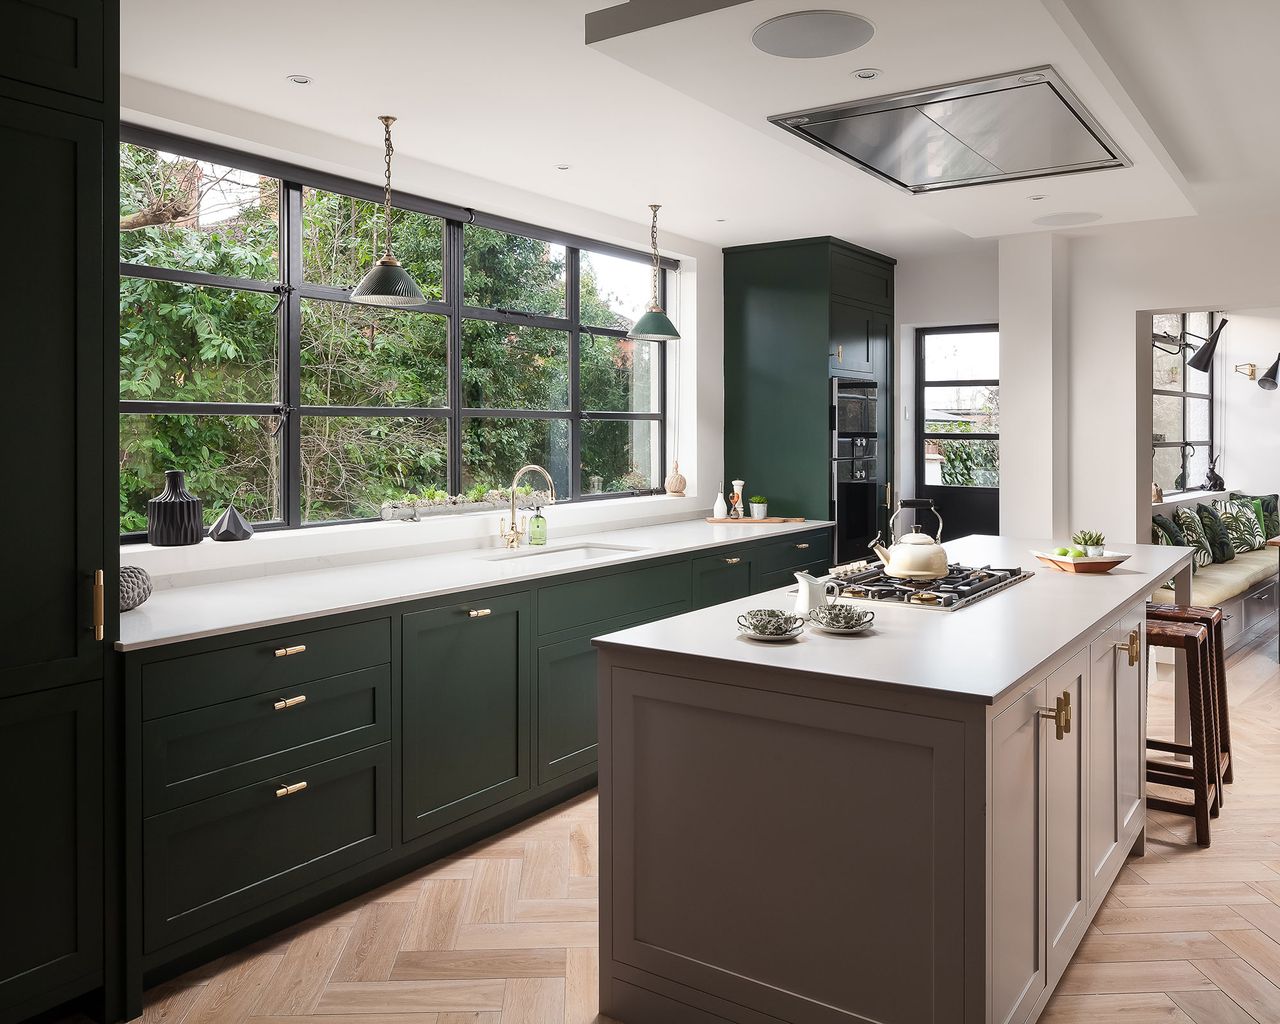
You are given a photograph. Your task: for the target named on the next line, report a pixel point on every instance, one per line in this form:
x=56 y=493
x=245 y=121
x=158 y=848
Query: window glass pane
x=342 y=237
x=1197 y=465
x=363 y=355
x=227 y=459
x=962 y=410
x=954 y=463
x=1198 y=324
x=620 y=455
x=1166 y=370
x=352 y=464
x=615 y=292
x=969 y=356
x=510 y=367
x=1168 y=325
x=502 y=271
x=1166 y=418
x=190 y=343
x=1166 y=468
x=619 y=375
x=187 y=214
x=493 y=449
x=1197 y=419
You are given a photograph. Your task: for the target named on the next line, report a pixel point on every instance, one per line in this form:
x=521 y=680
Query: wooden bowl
x=1105 y=562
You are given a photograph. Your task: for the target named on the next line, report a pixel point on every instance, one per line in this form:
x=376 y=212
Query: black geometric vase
x=175 y=517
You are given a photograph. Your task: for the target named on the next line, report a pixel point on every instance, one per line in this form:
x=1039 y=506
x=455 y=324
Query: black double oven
x=859 y=451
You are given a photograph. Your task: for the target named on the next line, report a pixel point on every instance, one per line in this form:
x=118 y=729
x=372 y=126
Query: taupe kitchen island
x=902 y=826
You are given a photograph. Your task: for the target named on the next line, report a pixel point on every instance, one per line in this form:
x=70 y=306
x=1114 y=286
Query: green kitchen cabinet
x=465 y=709
x=52 y=862
x=721 y=577
x=56 y=44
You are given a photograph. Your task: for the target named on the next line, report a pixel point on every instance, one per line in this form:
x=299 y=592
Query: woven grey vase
x=135 y=587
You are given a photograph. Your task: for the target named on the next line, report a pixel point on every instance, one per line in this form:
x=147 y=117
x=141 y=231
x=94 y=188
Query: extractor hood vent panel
x=1026 y=124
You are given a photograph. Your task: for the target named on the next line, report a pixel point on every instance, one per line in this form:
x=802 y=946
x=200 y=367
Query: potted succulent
x=1092 y=541
x=759 y=507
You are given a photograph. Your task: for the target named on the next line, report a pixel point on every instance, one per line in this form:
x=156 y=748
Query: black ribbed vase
x=175 y=517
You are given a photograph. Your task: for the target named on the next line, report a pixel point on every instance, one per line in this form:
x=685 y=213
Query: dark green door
x=465 y=709
x=721 y=578
x=51 y=854
x=53 y=410
x=566 y=712
x=851 y=348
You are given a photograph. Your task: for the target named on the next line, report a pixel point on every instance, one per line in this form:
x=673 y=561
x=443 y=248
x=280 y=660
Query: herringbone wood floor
x=505 y=932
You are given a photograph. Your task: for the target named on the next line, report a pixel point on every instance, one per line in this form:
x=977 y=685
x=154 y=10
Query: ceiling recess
x=966 y=133
x=806 y=35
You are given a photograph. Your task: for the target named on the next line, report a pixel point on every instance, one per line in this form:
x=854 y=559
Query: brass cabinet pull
x=290 y=702
x=732 y=561
x=99 y=605
x=802 y=547
x=839 y=353
x=289 y=790
x=480 y=613
x=284 y=652
x=1133 y=646
x=1060 y=713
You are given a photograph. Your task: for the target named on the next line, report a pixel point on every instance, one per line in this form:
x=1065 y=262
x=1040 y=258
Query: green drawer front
x=721 y=577
x=609 y=597
x=208 y=751
x=785 y=577
x=796 y=552
x=861 y=280
x=208 y=861
x=202 y=680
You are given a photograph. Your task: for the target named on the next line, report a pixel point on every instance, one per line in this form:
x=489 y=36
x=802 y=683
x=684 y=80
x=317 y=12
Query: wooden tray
x=768 y=519
x=1098 y=564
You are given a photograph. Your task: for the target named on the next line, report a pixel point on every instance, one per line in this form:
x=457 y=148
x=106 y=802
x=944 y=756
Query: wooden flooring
x=505 y=932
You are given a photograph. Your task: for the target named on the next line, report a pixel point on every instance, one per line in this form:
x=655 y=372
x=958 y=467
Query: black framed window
x=958 y=406
x=244 y=363
x=1181 y=404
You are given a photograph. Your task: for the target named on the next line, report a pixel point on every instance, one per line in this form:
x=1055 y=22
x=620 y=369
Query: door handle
x=839 y=353
x=802 y=547
x=289 y=790
x=1132 y=646
x=290 y=702
x=99 y=605
x=1060 y=713
x=732 y=561
x=479 y=613
x=286 y=652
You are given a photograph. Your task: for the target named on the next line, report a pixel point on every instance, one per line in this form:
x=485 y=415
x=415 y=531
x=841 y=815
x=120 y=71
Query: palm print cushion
x=1243 y=528
x=1215 y=531
x=1191 y=527
x=1270 y=510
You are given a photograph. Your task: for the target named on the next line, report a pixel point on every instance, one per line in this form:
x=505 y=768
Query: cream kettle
x=917 y=556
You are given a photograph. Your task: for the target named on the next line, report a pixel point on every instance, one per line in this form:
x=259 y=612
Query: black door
x=958 y=427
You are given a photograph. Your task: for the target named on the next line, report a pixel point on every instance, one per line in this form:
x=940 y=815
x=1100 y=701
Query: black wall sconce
x=1203 y=358
x=1268 y=380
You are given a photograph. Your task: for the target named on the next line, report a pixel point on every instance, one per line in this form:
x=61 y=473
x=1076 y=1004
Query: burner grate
x=963 y=585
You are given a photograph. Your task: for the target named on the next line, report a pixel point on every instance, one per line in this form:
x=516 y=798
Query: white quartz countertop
x=212 y=609
x=975 y=652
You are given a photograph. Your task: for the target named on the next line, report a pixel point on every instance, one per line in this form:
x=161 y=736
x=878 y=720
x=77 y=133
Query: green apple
x=1061 y=551
x=1076 y=552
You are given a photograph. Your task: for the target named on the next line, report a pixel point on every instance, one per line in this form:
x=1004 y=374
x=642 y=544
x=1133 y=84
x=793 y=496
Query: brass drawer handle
x=1133 y=646
x=732 y=561
x=290 y=702
x=480 y=613
x=802 y=547
x=284 y=652
x=1060 y=713
x=289 y=790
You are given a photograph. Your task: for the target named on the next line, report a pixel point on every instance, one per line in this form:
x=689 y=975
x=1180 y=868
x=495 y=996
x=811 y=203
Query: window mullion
x=291 y=361
x=452 y=291
x=573 y=309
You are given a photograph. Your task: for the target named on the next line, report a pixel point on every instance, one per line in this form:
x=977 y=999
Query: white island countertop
x=211 y=609
x=975 y=652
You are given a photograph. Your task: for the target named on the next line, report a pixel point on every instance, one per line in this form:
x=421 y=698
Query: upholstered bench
x=1244 y=588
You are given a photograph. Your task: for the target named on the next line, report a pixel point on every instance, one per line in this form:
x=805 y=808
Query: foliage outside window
x=959 y=407
x=248 y=367
x=1181 y=404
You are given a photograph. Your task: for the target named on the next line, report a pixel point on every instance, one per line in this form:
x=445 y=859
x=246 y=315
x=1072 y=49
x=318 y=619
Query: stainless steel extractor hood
x=1026 y=124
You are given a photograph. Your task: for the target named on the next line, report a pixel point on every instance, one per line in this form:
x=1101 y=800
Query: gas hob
x=962 y=586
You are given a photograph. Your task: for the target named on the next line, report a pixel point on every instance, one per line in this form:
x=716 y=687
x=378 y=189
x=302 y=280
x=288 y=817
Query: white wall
x=936 y=291
x=699 y=287
x=1248 y=418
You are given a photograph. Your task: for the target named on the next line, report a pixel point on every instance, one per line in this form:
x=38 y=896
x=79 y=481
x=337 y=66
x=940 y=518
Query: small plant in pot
x=1092 y=541
x=759 y=507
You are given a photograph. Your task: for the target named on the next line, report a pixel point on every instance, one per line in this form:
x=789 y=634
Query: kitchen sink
x=570 y=554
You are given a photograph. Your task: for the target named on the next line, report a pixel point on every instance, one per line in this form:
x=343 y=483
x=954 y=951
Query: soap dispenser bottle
x=538 y=527
x=720 y=510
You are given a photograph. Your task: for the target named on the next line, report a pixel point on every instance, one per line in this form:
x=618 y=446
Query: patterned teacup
x=842 y=616
x=770 y=622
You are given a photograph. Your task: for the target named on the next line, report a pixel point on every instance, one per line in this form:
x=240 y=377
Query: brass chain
x=657 y=263
x=387 y=122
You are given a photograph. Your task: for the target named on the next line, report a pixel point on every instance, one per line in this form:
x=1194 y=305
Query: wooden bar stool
x=1201 y=776
x=1211 y=619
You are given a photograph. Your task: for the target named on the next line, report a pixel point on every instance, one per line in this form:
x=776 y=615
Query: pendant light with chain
x=387 y=283
x=655 y=325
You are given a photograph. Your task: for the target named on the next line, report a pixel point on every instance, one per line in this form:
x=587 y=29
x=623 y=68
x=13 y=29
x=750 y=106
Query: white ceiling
x=506 y=90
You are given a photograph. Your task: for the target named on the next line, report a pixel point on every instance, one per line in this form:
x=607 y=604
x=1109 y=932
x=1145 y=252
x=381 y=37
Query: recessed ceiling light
x=562 y=167
x=299 y=79
x=1066 y=220
x=719 y=220
x=866 y=74
x=1037 y=198
x=805 y=35
x=1031 y=79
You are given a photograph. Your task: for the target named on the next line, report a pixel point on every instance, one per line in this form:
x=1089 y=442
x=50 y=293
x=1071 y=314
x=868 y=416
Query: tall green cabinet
x=797 y=314
x=58 y=125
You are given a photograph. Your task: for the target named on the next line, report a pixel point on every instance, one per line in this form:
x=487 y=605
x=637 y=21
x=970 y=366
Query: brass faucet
x=512 y=536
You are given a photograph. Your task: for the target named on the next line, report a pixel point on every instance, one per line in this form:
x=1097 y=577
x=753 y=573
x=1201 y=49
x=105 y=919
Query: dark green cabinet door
x=51 y=854
x=851 y=348
x=464 y=709
x=56 y=44
x=566 y=711
x=53 y=341
x=721 y=578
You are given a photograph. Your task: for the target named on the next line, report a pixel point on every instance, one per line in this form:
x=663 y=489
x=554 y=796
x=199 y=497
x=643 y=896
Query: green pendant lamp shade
x=655 y=325
x=387 y=283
